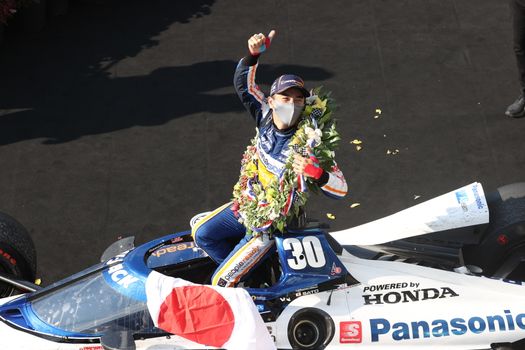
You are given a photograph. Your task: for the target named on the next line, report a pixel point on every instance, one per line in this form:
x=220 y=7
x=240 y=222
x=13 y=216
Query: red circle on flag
x=198 y=313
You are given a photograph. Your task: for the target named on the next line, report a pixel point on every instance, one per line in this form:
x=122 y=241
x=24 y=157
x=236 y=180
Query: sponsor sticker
x=173 y=248
x=336 y=270
x=389 y=286
x=462 y=198
x=477 y=197
x=456 y=326
x=405 y=296
x=350 y=332
x=306 y=292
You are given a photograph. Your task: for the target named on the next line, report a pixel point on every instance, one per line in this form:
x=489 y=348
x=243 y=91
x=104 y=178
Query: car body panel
x=374 y=304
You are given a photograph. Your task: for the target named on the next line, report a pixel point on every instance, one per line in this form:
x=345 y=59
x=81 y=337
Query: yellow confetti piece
x=376 y=116
x=356 y=142
x=358 y=148
x=355 y=205
x=378 y=111
x=394 y=152
x=330 y=216
x=416 y=196
x=38 y=281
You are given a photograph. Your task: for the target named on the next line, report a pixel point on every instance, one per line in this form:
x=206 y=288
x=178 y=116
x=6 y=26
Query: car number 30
x=305 y=252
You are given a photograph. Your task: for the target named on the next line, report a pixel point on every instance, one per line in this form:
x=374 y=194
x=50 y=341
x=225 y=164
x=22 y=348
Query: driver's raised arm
x=244 y=79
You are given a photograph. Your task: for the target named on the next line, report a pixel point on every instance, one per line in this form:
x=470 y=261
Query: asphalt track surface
x=120 y=117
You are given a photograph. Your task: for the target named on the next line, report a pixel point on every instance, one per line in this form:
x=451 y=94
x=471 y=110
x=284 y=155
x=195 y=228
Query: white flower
x=311 y=99
x=314 y=136
x=273 y=215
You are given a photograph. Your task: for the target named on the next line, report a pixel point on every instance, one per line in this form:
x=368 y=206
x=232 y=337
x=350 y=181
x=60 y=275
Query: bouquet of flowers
x=269 y=208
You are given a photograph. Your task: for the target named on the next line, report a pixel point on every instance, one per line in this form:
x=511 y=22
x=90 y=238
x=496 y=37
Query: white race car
x=312 y=294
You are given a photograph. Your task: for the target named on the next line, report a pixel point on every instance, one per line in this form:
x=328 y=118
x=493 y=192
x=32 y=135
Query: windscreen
x=91 y=306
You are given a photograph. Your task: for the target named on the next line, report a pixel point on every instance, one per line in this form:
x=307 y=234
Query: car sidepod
x=399 y=305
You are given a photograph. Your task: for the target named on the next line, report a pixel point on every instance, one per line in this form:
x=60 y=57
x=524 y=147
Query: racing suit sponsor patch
x=222 y=282
x=246 y=259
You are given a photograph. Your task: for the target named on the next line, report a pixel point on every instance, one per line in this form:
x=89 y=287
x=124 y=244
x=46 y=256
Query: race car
x=312 y=294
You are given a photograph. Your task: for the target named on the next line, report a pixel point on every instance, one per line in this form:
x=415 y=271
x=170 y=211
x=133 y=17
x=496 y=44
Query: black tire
x=503 y=245
x=310 y=329
x=17 y=253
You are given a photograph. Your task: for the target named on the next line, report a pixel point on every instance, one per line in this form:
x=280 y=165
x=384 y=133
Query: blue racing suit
x=219 y=233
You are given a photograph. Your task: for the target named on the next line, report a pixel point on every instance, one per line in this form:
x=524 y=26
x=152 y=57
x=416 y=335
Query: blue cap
x=287 y=81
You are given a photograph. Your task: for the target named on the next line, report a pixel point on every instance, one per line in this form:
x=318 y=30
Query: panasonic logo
x=381 y=327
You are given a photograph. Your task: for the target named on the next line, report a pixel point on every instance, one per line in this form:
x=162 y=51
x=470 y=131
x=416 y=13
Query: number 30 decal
x=305 y=252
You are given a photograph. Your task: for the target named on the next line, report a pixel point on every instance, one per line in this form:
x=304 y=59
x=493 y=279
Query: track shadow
x=69 y=93
x=107 y=105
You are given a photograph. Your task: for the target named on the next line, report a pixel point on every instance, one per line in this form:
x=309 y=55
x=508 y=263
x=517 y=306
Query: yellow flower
x=270 y=194
x=251 y=169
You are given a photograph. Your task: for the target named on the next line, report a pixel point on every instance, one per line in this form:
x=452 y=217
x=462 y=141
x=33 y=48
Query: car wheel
x=17 y=253
x=310 y=329
x=502 y=247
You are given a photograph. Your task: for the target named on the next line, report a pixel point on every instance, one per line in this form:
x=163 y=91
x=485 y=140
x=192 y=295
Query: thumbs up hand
x=258 y=43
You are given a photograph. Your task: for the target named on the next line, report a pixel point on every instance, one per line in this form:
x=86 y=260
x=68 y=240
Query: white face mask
x=288 y=113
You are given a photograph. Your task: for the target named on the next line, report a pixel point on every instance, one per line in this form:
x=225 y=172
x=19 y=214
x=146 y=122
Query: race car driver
x=220 y=233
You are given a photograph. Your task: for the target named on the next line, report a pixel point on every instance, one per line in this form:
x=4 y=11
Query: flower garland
x=269 y=208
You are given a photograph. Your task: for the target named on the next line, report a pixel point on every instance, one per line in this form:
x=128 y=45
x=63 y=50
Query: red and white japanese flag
x=209 y=315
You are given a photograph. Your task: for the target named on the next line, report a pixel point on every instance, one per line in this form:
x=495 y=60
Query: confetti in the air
x=356 y=142
x=394 y=152
x=330 y=216
x=355 y=205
